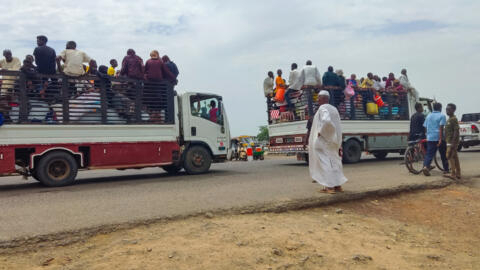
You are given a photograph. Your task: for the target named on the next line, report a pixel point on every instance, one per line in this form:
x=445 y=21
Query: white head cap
x=324 y=93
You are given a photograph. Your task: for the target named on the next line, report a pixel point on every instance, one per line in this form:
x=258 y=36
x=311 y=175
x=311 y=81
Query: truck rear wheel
x=57 y=169
x=352 y=151
x=197 y=160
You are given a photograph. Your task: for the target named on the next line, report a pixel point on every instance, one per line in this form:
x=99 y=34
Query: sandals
x=328 y=190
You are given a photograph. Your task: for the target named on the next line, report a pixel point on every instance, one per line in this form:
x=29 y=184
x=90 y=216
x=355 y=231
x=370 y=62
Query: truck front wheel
x=57 y=169
x=197 y=160
x=352 y=151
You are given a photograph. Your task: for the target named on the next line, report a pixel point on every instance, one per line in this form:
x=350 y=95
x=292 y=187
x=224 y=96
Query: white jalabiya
x=325 y=140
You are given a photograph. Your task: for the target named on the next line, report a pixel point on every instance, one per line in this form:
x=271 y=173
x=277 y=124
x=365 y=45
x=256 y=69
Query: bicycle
x=415 y=154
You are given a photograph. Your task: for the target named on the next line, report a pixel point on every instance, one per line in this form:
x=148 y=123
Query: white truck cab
x=204 y=123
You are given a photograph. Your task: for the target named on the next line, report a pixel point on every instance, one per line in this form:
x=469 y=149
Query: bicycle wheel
x=414 y=160
x=438 y=162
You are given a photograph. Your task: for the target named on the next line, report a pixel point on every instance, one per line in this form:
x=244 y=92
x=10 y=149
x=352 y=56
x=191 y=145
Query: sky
x=227 y=47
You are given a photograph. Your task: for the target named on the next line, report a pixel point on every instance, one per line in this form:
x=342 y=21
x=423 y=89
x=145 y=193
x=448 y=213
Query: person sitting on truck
x=268 y=85
x=330 y=78
x=293 y=85
x=132 y=66
x=279 y=92
x=368 y=82
x=156 y=70
x=73 y=60
x=113 y=65
x=172 y=67
x=9 y=63
x=310 y=76
x=389 y=81
x=353 y=80
x=213 y=111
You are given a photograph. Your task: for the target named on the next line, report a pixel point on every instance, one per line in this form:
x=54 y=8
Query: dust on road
x=423 y=230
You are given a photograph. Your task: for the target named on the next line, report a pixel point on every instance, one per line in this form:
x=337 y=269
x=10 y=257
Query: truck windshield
x=206 y=107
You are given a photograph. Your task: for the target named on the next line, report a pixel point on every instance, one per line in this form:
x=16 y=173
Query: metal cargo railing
x=394 y=105
x=59 y=99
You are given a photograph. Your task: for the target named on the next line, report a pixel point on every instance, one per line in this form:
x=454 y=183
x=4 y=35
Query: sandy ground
x=436 y=229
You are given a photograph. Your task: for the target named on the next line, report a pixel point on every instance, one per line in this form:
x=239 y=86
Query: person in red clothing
x=213 y=111
x=156 y=70
x=132 y=66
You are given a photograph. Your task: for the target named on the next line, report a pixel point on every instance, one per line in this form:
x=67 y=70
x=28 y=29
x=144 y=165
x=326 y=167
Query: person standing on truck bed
x=434 y=124
x=330 y=81
x=268 y=85
x=132 y=66
x=417 y=131
x=172 y=67
x=293 y=85
x=44 y=56
x=452 y=137
x=324 y=148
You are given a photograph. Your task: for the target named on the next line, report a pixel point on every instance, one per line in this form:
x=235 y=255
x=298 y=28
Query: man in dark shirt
x=417 y=131
x=132 y=66
x=330 y=82
x=44 y=56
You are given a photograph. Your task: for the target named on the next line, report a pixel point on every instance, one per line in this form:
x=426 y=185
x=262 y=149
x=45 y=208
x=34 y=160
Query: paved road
x=110 y=197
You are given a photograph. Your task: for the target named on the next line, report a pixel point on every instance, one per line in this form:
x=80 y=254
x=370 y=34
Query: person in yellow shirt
x=113 y=65
x=368 y=82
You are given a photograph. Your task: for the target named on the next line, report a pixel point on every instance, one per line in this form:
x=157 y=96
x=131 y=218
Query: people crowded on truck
x=369 y=98
x=156 y=70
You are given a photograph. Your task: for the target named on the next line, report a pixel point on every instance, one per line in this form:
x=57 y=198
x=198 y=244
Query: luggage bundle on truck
x=54 y=126
x=377 y=125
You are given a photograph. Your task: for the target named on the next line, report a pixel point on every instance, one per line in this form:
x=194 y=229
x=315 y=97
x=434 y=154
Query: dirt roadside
x=422 y=230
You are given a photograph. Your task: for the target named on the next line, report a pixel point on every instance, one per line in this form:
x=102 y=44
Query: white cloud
x=227 y=47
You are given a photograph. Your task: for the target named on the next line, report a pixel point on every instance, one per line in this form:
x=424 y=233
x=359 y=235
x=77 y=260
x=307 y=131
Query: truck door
x=206 y=122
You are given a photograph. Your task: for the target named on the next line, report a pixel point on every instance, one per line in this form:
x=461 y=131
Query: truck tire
x=380 y=155
x=352 y=151
x=197 y=160
x=34 y=175
x=57 y=169
x=172 y=169
x=459 y=148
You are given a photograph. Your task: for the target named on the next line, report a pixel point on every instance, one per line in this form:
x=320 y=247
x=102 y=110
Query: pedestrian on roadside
x=434 y=124
x=324 y=147
x=452 y=138
x=417 y=131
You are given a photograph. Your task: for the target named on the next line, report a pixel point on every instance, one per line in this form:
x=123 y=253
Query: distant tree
x=263 y=134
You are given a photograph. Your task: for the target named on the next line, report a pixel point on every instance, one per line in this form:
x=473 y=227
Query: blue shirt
x=433 y=123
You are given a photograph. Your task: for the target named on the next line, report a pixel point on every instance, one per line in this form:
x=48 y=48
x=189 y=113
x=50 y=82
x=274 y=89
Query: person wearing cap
x=324 y=147
x=9 y=63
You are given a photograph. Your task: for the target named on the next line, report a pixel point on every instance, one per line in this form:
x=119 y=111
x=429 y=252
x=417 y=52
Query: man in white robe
x=403 y=79
x=325 y=142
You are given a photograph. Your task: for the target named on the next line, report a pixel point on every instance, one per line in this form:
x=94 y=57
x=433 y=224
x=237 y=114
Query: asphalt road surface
x=111 y=197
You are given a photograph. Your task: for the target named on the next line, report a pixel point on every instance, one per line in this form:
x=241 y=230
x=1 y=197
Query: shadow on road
x=105 y=181
x=362 y=161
